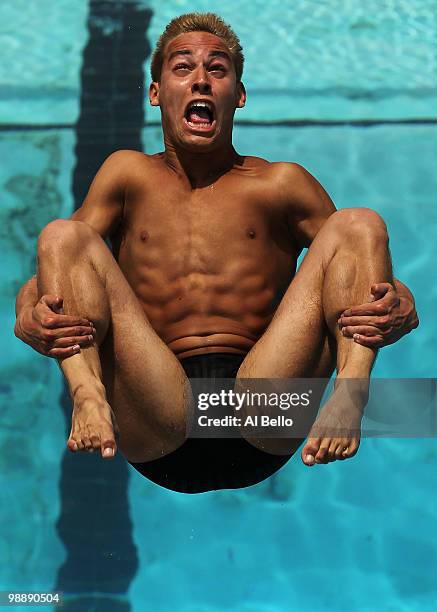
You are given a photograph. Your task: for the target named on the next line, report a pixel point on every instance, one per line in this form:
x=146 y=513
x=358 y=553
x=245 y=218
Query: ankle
x=354 y=388
x=90 y=390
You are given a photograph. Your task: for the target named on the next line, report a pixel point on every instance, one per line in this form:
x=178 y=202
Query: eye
x=217 y=68
x=181 y=67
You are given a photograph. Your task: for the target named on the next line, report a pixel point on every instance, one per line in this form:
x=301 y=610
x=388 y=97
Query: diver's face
x=198 y=92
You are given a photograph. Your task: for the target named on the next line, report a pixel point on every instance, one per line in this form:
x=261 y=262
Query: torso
x=208 y=265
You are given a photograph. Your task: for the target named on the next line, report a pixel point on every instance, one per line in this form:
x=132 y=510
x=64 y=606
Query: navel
x=144 y=236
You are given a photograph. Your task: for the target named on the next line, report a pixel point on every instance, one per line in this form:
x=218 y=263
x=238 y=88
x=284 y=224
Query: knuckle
x=381 y=309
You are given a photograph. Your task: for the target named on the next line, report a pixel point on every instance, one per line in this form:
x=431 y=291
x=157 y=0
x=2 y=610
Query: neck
x=203 y=168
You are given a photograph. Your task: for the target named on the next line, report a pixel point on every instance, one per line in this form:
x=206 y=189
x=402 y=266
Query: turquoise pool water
x=359 y=534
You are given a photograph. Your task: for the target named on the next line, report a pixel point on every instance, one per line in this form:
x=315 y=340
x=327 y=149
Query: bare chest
x=212 y=234
x=213 y=217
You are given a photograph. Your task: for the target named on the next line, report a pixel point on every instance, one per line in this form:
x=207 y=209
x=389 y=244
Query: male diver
x=202 y=282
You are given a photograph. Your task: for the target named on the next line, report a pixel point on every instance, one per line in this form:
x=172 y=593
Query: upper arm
x=308 y=204
x=102 y=208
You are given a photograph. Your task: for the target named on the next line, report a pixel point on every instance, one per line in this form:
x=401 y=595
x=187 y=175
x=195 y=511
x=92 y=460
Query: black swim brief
x=206 y=464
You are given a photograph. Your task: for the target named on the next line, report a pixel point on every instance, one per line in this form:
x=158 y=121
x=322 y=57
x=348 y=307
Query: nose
x=201 y=82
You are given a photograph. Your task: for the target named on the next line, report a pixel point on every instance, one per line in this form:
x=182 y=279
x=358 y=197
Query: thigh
x=145 y=383
x=297 y=343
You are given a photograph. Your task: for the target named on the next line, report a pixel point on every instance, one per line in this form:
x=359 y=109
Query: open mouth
x=199 y=114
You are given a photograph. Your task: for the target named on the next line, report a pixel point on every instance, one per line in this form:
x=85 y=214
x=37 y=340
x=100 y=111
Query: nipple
x=250 y=233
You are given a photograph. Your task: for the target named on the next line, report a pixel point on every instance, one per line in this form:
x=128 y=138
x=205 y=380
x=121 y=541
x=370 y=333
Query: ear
x=241 y=95
x=154 y=94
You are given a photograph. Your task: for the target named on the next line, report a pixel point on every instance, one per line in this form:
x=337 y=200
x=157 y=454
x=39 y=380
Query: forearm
x=27 y=296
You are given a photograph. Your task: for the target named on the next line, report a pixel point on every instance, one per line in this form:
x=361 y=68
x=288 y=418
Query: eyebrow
x=188 y=52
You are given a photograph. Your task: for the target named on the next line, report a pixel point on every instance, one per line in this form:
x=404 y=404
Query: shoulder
x=292 y=177
x=290 y=181
x=301 y=190
x=125 y=158
x=305 y=201
x=124 y=166
x=286 y=175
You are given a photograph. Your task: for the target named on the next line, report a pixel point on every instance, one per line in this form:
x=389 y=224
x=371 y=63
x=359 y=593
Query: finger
x=381 y=289
x=70 y=332
x=51 y=300
x=63 y=353
x=377 y=308
x=57 y=306
x=375 y=321
x=371 y=342
x=75 y=340
x=55 y=321
x=362 y=330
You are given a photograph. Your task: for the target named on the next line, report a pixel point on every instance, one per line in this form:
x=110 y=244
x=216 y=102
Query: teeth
x=201 y=104
x=197 y=124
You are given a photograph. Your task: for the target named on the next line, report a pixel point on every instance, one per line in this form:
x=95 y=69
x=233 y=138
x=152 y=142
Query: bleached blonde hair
x=198 y=22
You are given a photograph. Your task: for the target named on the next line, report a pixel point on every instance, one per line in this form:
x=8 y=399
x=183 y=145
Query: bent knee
x=359 y=223
x=65 y=232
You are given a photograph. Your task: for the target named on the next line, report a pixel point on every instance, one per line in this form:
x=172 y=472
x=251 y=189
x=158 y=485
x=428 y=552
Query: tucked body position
x=201 y=282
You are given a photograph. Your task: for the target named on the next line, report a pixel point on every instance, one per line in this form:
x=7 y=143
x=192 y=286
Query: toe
x=87 y=445
x=322 y=454
x=332 y=450
x=339 y=453
x=95 y=441
x=80 y=444
x=309 y=451
x=72 y=445
x=108 y=450
x=351 y=449
x=108 y=445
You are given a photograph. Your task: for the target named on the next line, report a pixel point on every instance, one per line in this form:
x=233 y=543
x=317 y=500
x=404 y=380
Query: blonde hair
x=198 y=22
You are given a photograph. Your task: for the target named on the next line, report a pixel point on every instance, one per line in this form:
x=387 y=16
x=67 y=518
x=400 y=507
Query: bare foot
x=336 y=432
x=93 y=427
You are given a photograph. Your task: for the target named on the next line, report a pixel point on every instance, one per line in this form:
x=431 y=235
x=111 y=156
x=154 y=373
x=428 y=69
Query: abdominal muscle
x=207 y=320
x=207 y=328
x=207 y=299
